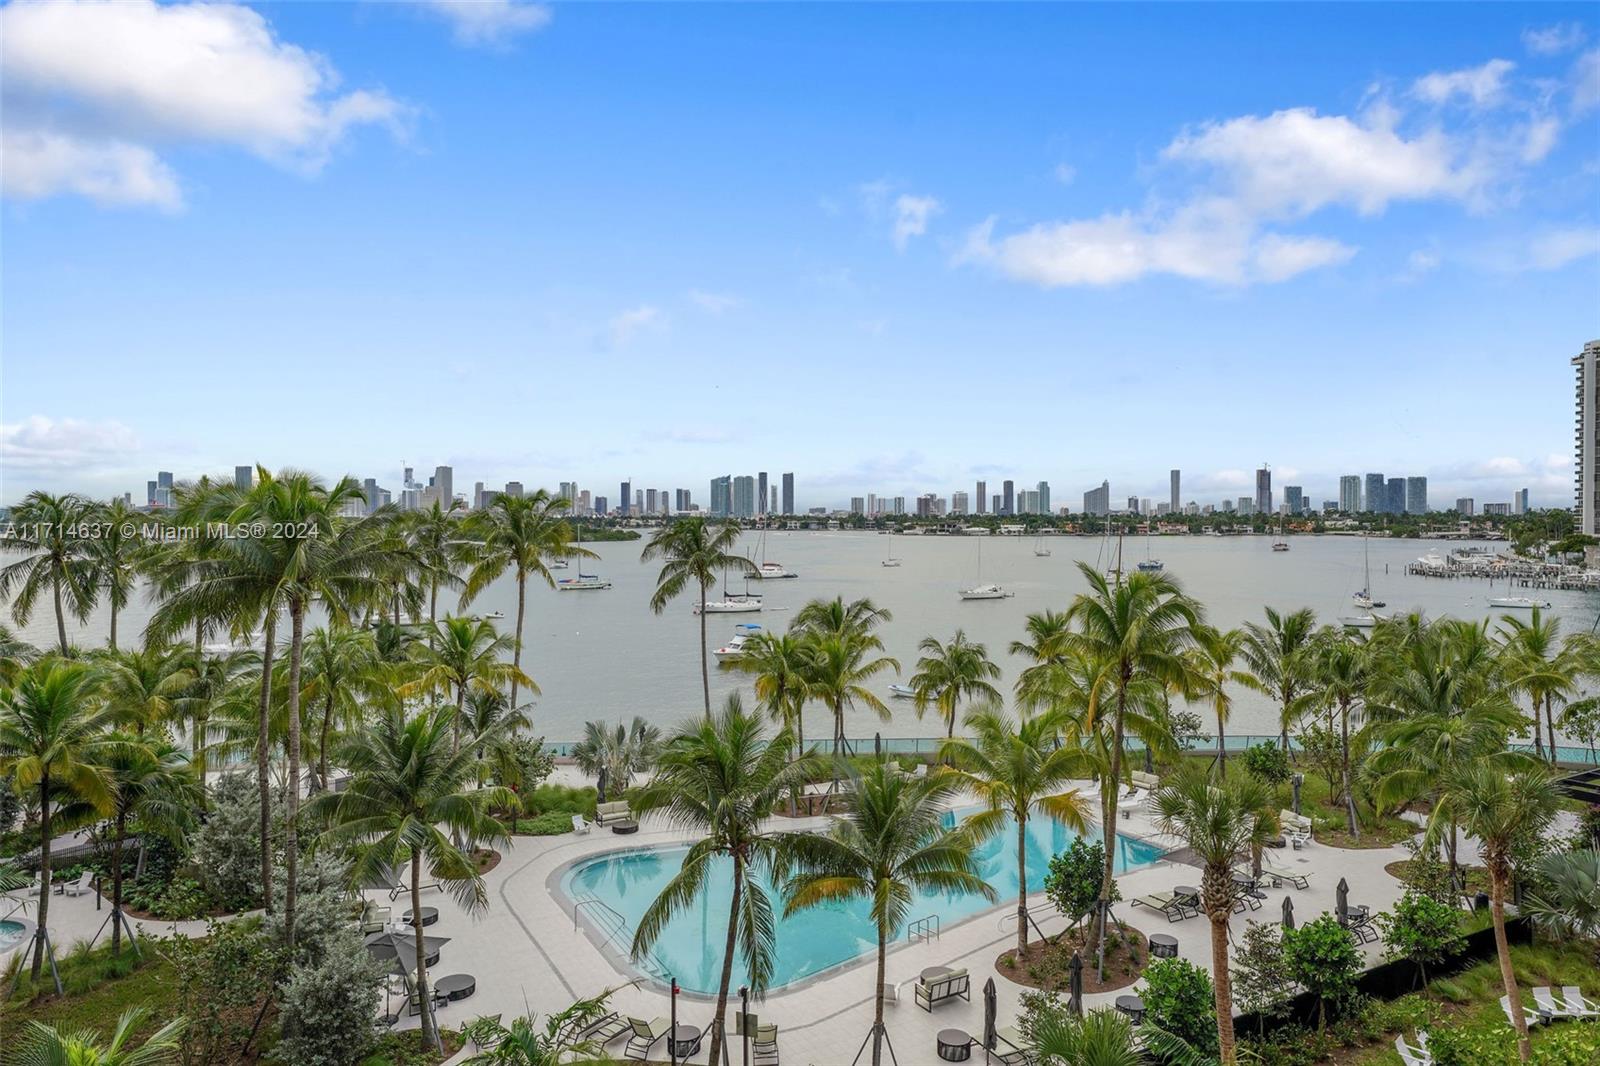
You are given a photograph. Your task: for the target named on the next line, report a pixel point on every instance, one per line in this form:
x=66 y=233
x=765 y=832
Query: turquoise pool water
x=11 y=933
x=691 y=946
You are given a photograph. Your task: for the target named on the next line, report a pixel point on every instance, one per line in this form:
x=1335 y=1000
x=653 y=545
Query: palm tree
x=693 y=551
x=15 y=653
x=464 y=654
x=1134 y=633
x=1342 y=665
x=118 y=555
x=217 y=683
x=523 y=535
x=1536 y=663
x=45 y=1045
x=409 y=779
x=1046 y=649
x=858 y=617
x=151 y=783
x=948 y=673
x=338 y=662
x=143 y=688
x=1278 y=655
x=1212 y=658
x=1567 y=904
x=779 y=662
x=1221 y=822
x=51 y=529
x=720 y=777
x=51 y=733
x=1500 y=810
x=838 y=667
x=1015 y=769
x=435 y=537
x=1102 y=1037
x=613 y=754
x=888 y=844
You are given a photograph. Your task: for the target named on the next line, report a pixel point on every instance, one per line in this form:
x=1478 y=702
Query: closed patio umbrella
x=1341 y=896
x=877 y=745
x=1288 y=913
x=1075 y=984
x=600 y=786
x=1296 y=782
x=991 y=1039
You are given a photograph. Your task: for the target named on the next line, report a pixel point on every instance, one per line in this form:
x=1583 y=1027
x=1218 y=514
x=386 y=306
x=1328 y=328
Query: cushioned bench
x=609 y=813
x=957 y=984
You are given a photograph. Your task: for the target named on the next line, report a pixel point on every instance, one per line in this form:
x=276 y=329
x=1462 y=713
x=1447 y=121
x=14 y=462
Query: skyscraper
x=1031 y=501
x=1416 y=495
x=1350 y=493
x=1377 y=497
x=761 y=492
x=1173 y=476
x=242 y=476
x=1264 y=490
x=1294 y=498
x=958 y=502
x=721 y=496
x=514 y=489
x=1464 y=506
x=1519 y=502
x=680 y=500
x=744 y=496
x=1395 y=496
x=1008 y=498
x=1043 y=504
x=1098 y=501
x=858 y=505
x=772 y=505
x=626 y=496
x=601 y=505
x=788 y=494
x=994 y=504
x=649 y=501
x=1586 y=460
x=983 y=496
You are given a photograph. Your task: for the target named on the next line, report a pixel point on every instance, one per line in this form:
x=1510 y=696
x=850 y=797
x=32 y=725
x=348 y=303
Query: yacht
x=734 y=648
x=582 y=583
x=985 y=592
x=1522 y=603
x=889 y=559
x=903 y=692
x=731 y=605
x=556 y=564
x=769 y=571
x=495 y=614
x=1280 y=545
x=1358 y=621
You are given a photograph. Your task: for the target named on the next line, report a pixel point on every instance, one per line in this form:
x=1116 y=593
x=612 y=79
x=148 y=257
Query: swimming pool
x=11 y=934
x=690 y=948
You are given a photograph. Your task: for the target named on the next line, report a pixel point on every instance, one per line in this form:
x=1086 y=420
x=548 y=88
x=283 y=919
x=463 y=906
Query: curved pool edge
x=29 y=929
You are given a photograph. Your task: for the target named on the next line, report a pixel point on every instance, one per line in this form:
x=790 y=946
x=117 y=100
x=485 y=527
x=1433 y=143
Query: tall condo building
x=772 y=505
x=1464 y=506
x=983 y=496
x=761 y=492
x=584 y=504
x=1173 y=504
x=1395 y=496
x=1519 y=502
x=1416 y=495
x=788 y=495
x=649 y=501
x=1043 y=505
x=1008 y=497
x=1586 y=460
x=1294 y=498
x=994 y=504
x=1030 y=501
x=744 y=496
x=721 y=496
x=858 y=505
x=958 y=502
x=1377 y=497
x=601 y=505
x=242 y=476
x=514 y=489
x=1098 y=501
x=680 y=500
x=1350 y=493
x=1264 y=490
x=626 y=496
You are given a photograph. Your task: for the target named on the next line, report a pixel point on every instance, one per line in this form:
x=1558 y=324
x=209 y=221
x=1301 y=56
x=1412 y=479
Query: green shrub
x=1421 y=929
x=545 y=825
x=1073 y=882
x=1323 y=960
x=1179 y=999
x=179 y=899
x=1269 y=763
x=565 y=799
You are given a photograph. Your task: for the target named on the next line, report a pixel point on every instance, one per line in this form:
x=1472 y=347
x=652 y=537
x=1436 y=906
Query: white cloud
x=489 y=22
x=1586 y=82
x=94 y=89
x=626 y=325
x=1482 y=86
x=911 y=214
x=1553 y=40
x=1419 y=263
x=42 y=446
x=1539 y=139
x=1557 y=248
x=1279 y=258
x=714 y=302
x=1065 y=173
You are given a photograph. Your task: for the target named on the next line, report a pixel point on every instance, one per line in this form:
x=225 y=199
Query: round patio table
x=429 y=916
x=685 y=1040
x=1132 y=1006
x=933 y=973
x=1163 y=945
x=623 y=829
x=1186 y=890
x=954 y=1045
x=456 y=986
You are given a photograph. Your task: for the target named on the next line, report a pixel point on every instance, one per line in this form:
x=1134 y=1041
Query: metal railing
x=924 y=929
x=613 y=925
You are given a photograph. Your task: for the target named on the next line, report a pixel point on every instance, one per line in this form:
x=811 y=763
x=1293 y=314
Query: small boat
x=903 y=692
x=1521 y=603
x=1150 y=565
x=1280 y=545
x=735 y=647
x=495 y=614
x=1358 y=621
x=1364 y=598
x=985 y=592
x=731 y=605
x=582 y=583
x=1366 y=602
x=557 y=564
x=770 y=571
x=1039 y=550
x=891 y=561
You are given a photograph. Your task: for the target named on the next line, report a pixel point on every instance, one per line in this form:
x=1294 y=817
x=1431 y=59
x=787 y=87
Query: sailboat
x=766 y=571
x=980 y=591
x=1280 y=545
x=583 y=583
x=889 y=559
x=1364 y=598
x=1150 y=564
x=1039 y=550
x=743 y=603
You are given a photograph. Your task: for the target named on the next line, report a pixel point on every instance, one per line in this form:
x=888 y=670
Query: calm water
x=607 y=655
x=690 y=948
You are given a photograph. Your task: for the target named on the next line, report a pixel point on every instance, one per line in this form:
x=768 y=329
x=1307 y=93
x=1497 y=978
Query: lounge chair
x=1411 y=1056
x=1359 y=925
x=488 y=1043
x=1544 y=1001
x=1011 y=1048
x=1173 y=907
x=646 y=1035
x=957 y=984
x=1280 y=874
x=402 y=888
x=1577 y=1006
x=764 y=1045
x=82 y=886
x=580 y=826
x=1297 y=827
x=599 y=1032
x=1532 y=1017
x=374 y=919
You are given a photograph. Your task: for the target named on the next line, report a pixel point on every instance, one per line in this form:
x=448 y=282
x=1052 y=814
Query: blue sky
x=890 y=248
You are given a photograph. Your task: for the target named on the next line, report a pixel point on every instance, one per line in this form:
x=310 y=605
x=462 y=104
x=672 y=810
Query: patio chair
x=82 y=886
x=599 y=1032
x=645 y=1036
x=374 y=919
x=764 y=1045
x=1011 y=1048
x=1173 y=907
x=580 y=826
x=1532 y=1017
x=1572 y=998
x=402 y=887
x=1280 y=874
x=488 y=1043
x=1544 y=1001
x=1411 y=1056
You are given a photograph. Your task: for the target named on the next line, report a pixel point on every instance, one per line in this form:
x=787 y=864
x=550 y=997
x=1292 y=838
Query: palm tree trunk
x=322 y=743
x=1022 y=885
x=516 y=653
x=430 y=1027
x=1344 y=769
x=1538 y=735
x=1115 y=782
x=877 y=1013
x=263 y=771
x=44 y=873
x=719 y=1021
x=1222 y=749
x=1550 y=723
x=705 y=674
x=61 y=626
x=116 y=885
x=111 y=641
x=1223 y=989
x=1502 y=947
x=1283 y=722
x=197 y=752
x=291 y=848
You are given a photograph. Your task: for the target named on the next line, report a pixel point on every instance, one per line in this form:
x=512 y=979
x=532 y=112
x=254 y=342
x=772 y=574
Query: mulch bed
x=486 y=858
x=1045 y=963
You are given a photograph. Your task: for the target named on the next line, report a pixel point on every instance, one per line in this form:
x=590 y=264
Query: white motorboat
x=1358 y=621
x=731 y=605
x=985 y=592
x=1520 y=603
x=890 y=562
x=734 y=648
x=769 y=571
x=1280 y=545
x=903 y=692
x=1365 y=601
x=495 y=614
x=556 y=564
x=1151 y=566
x=582 y=583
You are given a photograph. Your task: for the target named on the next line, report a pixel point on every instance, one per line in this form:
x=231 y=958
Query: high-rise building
x=925 y=505
x=983 y=496
x=649 y=501
x=680 y=500
x=744 y=496
x=1377 y=495
x=585 y=507
x=994 y=504
x=626 y=496
x=1246 y=505
x=1464 y=506
x=772 y=504
x=1008 y=497
x=1030 y=502
x=1497 y=508
x=514 y=489
x=1098 y=501
x=898 y=506
x=721 y=496
x=569 y=492
x=761 y=492
x=1174 y=478
x=602 y=506
x=1395 y=496
x=1264 y=490
x=1350 y=493
x=1519 y=502
x=873 y=504
x=478 y=499
x=858 y=505
x=788 y=494
x=1586 y=460
x=1416 y=495
x=443 y=484
x=958 y=502
x=638 y=501
x=243 y=476
x=1043 y=504
x=1133 y=505
x=1294 y=498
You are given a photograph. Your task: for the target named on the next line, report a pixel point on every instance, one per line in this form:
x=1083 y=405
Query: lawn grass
x=99 y=987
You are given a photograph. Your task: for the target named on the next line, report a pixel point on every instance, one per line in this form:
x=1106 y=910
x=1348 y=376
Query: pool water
x=11 y=934
x=690 y=948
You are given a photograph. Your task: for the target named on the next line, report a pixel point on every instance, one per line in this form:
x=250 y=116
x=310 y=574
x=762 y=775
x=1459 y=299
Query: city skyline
x=1347 y=247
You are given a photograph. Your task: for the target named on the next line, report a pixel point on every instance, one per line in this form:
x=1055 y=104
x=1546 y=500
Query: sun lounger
x=957 y=984
x=402 y=888
x=374 y=919
x=1577 y=1006
x=82 y=886
x=1011 y=1048
x=1411 y=1056
x=1532 y=1017
x=646 y=1035
x=1544 y=1001
x=1280 y=874
x=1297 y=827
x=1174 y=908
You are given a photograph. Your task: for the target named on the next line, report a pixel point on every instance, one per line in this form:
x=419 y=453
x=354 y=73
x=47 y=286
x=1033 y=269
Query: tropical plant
x=142 y=687
x=219 y=685
x=522 y=1043
x=1342 y=665
x=45 y=1045
x=15 y=653
x=1047 y=648
x=1016 y=768
x=1537 y=664
x=1259 y=973
x=337 y=668
x=1567 y=902
x=462 y=654
x=693 y=552
x=409 y=779
x=54 y=533
x=1278 y=655
x=1178 y=999
x=1501 y=810
x=614 y=754
x=857 y=618
x=118 y=555
x=838 y=667
x=1221 y=822
x=779 y=663
x=949 y=673
x=1072 y=883
x=436 y=539
x=719 y=778
x=1211 y=673
x=1420 y=929
x=1102 y=1037
x=1323 y=959
x=151 y=784
x=52 y=735
x=887 y=845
